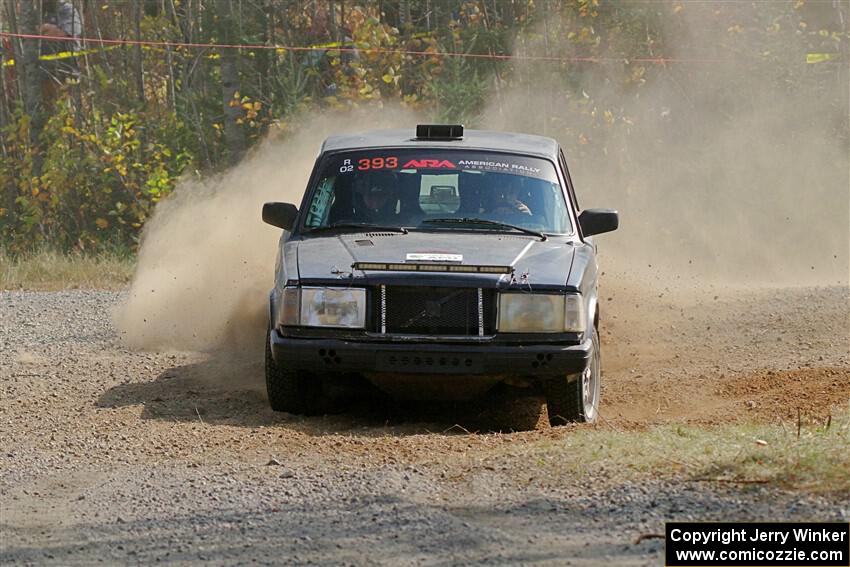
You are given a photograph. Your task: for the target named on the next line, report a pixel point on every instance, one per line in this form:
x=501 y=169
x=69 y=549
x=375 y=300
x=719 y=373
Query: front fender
x=286 y=273
x=584 y=276
x=592 y=309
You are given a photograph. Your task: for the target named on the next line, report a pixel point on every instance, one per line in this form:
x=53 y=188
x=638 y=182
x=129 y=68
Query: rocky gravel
x=113 y=456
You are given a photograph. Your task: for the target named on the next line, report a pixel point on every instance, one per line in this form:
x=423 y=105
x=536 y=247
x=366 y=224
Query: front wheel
x=290 y=390
x=576 y=398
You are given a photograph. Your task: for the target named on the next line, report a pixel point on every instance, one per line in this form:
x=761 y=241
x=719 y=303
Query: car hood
x=541 y=263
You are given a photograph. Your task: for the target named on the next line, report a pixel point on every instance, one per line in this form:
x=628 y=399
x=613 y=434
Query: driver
x=507 y=198
x=375 y=197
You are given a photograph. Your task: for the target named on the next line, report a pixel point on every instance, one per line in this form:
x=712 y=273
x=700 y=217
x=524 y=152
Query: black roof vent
x=439 y=131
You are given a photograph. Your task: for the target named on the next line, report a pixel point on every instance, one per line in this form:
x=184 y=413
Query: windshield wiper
x=360 y=225
x=467 y=220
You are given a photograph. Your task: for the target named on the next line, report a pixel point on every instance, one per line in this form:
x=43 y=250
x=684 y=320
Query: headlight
x=541 y=313
x=333 y=307
x=324 y=307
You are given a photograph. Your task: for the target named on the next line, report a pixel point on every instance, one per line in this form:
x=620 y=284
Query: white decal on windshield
x=498 y=166
x=432 y=257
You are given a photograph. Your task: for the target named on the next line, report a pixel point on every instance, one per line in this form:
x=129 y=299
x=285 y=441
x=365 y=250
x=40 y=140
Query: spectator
x=61 y=19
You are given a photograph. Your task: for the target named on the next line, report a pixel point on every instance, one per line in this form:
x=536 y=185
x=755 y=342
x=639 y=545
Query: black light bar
x=431 y=267
x=439 y=131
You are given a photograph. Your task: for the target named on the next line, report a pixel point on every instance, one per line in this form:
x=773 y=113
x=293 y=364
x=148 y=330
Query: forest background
x=85 y=156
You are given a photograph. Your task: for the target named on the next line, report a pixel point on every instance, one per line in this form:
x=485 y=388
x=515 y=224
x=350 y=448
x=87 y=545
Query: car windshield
x=437 y=190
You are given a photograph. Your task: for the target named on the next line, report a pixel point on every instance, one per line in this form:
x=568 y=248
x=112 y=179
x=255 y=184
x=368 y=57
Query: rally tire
x=575 y=398
x=291 y=391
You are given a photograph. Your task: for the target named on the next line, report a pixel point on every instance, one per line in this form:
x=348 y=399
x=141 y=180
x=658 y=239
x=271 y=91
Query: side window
x=570 y=190
x=321 y=205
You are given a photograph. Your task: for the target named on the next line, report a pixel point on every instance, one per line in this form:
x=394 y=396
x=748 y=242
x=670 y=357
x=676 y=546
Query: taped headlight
x=333 y=307
x=540 y=313
x=323 y=307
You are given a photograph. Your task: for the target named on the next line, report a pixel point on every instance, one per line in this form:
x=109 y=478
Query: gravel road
x=119 y=457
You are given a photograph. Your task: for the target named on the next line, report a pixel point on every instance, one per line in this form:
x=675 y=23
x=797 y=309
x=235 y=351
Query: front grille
x=410 y=310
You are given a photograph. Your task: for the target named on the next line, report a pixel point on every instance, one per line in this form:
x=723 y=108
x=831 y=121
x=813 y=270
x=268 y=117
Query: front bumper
x=533 y=361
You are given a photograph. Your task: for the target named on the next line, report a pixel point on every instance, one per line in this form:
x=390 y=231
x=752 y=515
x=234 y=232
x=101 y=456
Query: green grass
x=817 y=461
x=50 y=270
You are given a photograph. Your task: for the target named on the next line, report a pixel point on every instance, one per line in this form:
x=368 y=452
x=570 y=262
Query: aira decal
x=429 y=164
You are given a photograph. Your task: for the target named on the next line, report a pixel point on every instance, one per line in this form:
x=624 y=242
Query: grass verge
x=48 y=270
x=773 y=454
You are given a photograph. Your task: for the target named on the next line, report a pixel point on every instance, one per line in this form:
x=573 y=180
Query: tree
x=32 y=77
x=234 y=138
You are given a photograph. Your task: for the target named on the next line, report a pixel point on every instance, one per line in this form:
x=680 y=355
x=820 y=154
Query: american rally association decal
x=433 y=257
x=498 y=166
x=394 y=163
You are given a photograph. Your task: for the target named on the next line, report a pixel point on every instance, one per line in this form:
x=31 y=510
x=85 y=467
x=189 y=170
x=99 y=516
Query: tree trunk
x=404 y=15
x=140 y=73
x=32 y=78
x=11 y=90
x=263 y=57
x=234 y=138
x=844 y=70
x=332 y=20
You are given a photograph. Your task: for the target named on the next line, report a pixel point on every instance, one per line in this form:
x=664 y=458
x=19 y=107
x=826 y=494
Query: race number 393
x=763 y=544
x=369 y=163
x=389 y=162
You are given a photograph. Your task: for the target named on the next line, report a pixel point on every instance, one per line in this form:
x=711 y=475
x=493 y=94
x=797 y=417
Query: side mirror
x=281 y=215
x=597 y=221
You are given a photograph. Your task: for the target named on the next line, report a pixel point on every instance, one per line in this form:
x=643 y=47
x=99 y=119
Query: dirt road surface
x=118 y=457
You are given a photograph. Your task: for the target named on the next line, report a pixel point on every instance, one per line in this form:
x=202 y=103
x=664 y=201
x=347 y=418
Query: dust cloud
x=206 y=261
x=730 y=169
x=724 y=173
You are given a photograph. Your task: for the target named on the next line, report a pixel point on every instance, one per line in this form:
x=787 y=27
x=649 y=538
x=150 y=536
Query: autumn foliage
x=111 y=143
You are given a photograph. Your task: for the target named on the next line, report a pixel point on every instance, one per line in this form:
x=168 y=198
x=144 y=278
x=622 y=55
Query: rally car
x=437 y=263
